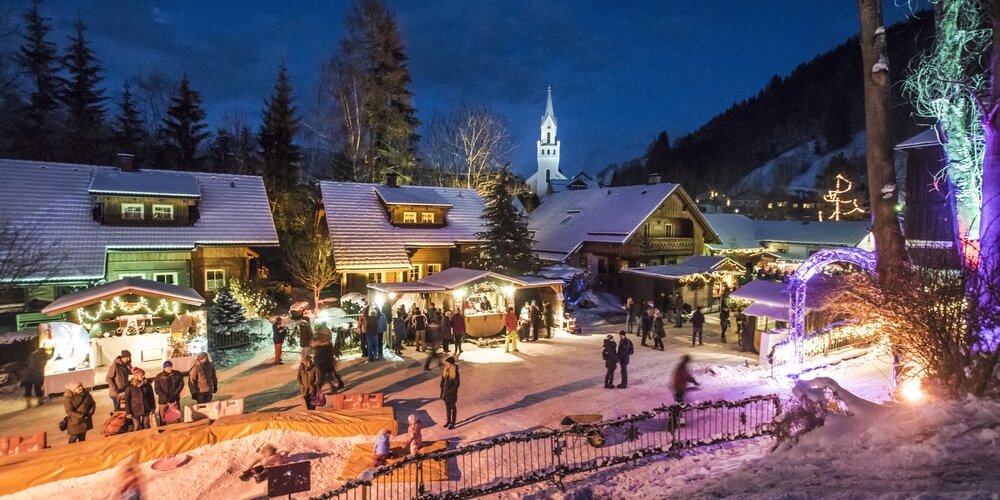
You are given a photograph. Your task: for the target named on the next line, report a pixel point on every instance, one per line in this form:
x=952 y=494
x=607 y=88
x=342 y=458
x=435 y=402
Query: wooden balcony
x=662 y=244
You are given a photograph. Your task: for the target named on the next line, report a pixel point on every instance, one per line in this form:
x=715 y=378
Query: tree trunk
x=989 y=219
x=890 y=246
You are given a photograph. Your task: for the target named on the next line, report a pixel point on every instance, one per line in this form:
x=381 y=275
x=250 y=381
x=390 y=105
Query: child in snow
x=267 y=456
x=416 y=439
x=382 y=448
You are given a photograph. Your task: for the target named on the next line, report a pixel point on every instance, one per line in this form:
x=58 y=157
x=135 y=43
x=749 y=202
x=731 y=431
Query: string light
x=117 y=306
x=833 y=196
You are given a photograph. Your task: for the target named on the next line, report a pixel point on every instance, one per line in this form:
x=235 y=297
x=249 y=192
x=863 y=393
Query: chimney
x=654 y=178
x=125 y=161
x=392 y=179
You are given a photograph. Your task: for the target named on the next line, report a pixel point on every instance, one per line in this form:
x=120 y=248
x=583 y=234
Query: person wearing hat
x=625 y=350
x=168 y=385
x=310 y=381
x=117 y=378
x=610 y=357
x=79 y=406
x=203 y=380
x=449 y=391
x=139 y=401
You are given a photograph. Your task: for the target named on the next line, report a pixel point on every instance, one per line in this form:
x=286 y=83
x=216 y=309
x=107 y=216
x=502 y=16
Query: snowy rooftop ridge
x=54 y=200
x=363 y=238
x=738 y=231
x=145 y=183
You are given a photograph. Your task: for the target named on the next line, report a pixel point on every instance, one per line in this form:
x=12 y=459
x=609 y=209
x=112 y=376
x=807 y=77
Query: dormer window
x=410 y=217
x=132 y=211
x=426 y=217
x=163 y=212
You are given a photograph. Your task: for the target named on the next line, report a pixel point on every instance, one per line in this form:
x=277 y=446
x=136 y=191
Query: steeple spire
x=548 y=106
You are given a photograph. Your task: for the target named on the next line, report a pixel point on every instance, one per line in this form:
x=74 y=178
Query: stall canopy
x=125 y=286
x=454 y=278
x=696 y=264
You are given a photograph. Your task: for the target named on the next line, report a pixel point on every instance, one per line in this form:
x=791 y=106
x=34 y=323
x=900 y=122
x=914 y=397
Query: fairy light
x=850 y=206
x=117 y=306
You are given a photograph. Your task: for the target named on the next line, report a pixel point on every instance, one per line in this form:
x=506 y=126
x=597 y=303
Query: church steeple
x=548 y=151
x=548 y=108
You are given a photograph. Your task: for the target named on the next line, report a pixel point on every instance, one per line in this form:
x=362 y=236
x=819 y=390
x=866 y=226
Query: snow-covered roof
x=160 y=183
x=696 y=264
x=566 y=220
x=779 y=313
x=454 y=277
x=740 y=232
x=126 y=286
x=580 y=179
x=363 y=238
x=410 y=195
x=457 y=277
x=54 y=200
x=822 y=290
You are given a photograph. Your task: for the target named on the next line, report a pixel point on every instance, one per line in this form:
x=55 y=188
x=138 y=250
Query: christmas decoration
x=117 y=306
x=506 y=247
x=227 y=316
x=842 y=207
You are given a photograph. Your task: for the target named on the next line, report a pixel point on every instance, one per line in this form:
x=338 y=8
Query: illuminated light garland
x=118 y=306
x=702 y=277
x=833 y=196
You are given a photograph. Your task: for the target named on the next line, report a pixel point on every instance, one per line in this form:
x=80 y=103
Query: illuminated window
x=163 y=212
x=426 y=217
x=132 y=211
x=415 y=273
x=409 y=217
x=215 y=279
x=433 y=268
x=374 y=277
x=770 y=206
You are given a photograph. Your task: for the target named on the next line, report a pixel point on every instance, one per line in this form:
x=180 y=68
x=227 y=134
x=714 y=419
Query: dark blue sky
x=620 y=71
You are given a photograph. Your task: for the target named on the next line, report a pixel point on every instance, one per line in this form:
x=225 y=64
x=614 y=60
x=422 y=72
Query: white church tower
x=548 y=153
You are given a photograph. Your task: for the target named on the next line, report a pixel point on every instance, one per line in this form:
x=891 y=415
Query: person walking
x=383 y=327
x=458 y=329
x=324 y=359
x=697 y=325
x=449 y=391
x=625 y=350
x=80 y=407
x=305 y=333
x=33 y=377
x=548 y=318
x=658 y=330
x=278 y=334
x=682 y=377
x=203 y=380
x=535 y=317
x=433 y=343
x=168 y=385
x=629 y=317
x=399 y=331
x=419 y=328
x=510 y=323
x=724 y=321
x=645 y=323
x=678 y=310
x=139 y=401
x=309 y=381
x=610 y=356
x=447 y=335
x=371 y=333
x=117 y=378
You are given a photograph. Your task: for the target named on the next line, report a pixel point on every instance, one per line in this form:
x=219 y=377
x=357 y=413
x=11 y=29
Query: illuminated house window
x=415 y=272
x=409 y=217
x=132 y=211
x=426 y=217
x=374 y=277
x=163 y=212
x=215 y=279
x=433 y=268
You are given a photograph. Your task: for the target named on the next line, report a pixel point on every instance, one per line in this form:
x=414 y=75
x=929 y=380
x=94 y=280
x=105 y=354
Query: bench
x=355 y=401
x=25 y=320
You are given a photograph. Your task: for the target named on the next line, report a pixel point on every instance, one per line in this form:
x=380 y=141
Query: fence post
x=420 y=476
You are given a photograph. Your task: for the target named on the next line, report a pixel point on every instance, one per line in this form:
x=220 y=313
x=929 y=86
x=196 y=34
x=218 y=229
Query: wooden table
x=55 y=383
x=147 y=347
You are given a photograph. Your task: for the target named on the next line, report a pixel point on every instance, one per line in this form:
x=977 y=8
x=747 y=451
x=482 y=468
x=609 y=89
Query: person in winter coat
x=610 y=357
x=658 y=330
x=168 y=385
x=548 y=318
x=309 y=381
x=678 y=310
x=305 y=334
x=117 y=378
x=682 y=377
x=625 y=350
x=372 y=333
x=458 y=329
x=139 y=401
x=80 y=407
x=419 y=322
x=724 y=321
x=510 y=324
x=278 y=334
x=447 y=333
x=399 y=331
x=645 y=324
x=203 y=380
x=697 y=326
x=326 y=362
x=630 y=319
x=535 y=318
x=449 y=391
x=416 y=436
x=33 y=376
x=433 y=343
x=383 y=326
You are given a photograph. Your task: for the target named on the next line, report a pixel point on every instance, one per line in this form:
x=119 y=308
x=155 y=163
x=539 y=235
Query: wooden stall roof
x=457 y=277
x=125 y=286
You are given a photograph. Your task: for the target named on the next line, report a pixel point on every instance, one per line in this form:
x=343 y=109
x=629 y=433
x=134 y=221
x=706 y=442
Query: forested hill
x=821 y=100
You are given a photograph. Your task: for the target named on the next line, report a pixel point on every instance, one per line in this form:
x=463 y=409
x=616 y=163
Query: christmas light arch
x=798 y=285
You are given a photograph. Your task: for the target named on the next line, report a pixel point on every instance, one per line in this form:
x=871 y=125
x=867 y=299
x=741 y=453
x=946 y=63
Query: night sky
x=620 y=71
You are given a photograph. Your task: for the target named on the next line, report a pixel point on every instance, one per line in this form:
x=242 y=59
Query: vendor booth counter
x=484 y=325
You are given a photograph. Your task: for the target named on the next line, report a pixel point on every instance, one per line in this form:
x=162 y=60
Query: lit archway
x=798 y=285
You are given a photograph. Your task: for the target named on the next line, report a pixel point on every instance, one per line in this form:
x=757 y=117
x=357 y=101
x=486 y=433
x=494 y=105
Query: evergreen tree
x=129 y=131
x=394 y=123
x=183 y=129
x=657 y=155
x=281 y=156
x=84 y=101
x=38 y=121
x=227 y=316
x=506 y=247
x=233 y=150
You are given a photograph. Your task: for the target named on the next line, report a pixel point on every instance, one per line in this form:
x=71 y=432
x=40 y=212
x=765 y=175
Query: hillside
x=821 y=103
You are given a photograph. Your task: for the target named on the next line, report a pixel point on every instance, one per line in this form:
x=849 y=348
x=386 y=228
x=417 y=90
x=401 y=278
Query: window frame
x=375 y=277
x=159 y=205
x=125 y=210
x=668 y=230
x=419 y=268
x=423 y=218
x=429 y=272
x=175 y=276
x=122 y=276
x=209 y=288
x=406 y=215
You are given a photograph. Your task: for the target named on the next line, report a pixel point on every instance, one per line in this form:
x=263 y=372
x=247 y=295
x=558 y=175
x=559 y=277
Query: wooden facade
x=108 y=210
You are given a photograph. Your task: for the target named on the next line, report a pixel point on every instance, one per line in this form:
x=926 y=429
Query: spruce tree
x=183 y=129
x=657 y=156
x=233 y=150
x=83 y=100
x=506 y=247
x=38 y=127
x=129 y=130
x=394 y=123
x=281 y=156
x=227 y=316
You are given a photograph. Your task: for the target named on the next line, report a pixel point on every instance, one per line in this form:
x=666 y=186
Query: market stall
x=483 y=296
x=133 y=314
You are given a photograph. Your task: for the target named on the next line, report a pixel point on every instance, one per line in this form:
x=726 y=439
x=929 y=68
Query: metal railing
x=516 y=460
